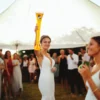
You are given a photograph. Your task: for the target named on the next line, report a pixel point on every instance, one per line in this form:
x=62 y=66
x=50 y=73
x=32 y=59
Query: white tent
x=17 y=22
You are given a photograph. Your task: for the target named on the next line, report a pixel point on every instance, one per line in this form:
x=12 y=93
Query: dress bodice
x=46 y=63
x=46 y=79
x=32 y=62
x=96 y=79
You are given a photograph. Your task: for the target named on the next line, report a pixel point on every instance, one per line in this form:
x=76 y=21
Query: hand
x=53 y=69
x=71 y=57
x=85 y=72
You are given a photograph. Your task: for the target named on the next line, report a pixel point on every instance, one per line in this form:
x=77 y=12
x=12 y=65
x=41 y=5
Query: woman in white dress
x=47 y=69
x=17 y=76
x=92 y=79
x=32 y=67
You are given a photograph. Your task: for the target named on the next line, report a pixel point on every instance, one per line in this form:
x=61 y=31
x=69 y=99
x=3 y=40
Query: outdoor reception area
x=49 y=49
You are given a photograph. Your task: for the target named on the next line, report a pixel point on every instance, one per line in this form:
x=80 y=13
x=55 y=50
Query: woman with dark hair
x=92 y=79
x=8 y=72
x=47 y=69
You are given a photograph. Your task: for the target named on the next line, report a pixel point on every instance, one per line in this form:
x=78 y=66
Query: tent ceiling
x=97 y=2
x=60 y=19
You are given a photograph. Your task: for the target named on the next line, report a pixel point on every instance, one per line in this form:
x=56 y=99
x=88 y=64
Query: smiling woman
x=92 y=81
x=47 y=69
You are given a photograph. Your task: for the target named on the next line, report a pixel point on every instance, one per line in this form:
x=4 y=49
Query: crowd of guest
x=67 y=69
x=15 y=70
x=10 y=75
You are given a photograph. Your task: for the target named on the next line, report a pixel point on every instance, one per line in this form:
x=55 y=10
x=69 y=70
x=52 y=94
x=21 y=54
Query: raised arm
x=37 y=52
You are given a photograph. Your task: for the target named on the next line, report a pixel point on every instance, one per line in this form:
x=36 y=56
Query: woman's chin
x=91 y=54
x=46 y=48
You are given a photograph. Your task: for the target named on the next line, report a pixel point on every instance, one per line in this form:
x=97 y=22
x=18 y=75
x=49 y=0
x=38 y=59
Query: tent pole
x=16 y=47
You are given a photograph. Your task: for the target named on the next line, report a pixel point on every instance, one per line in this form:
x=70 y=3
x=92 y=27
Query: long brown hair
x=97 y=39
x=6 y=56
x=43 y=37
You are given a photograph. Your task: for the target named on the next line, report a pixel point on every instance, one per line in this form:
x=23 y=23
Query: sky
x=60 y=17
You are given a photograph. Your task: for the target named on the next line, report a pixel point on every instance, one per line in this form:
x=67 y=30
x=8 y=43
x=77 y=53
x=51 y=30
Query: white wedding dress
x=96 y=79
x=46 y=80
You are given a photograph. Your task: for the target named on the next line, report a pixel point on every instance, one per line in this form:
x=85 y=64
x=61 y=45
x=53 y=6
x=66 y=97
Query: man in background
x=73 y=74
x=85 y=56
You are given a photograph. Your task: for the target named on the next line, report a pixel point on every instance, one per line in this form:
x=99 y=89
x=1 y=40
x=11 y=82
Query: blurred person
x=24 y=66
x=80 y=77
x=73 y=72
x=80 y=58
x=2 y=66
x=7 y=75
x=63 y=68
x=85 y=56
x=32 y=67
x=55 y=57
x=17 y=76
x=92 y=79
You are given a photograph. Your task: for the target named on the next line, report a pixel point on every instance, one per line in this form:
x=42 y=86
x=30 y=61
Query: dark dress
x=25 y=72
x=63 y=68
x=80 y=60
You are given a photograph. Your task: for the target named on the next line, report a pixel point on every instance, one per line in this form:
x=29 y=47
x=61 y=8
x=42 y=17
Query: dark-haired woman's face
x=45 y=43
x=93 y=48
x=8 y=54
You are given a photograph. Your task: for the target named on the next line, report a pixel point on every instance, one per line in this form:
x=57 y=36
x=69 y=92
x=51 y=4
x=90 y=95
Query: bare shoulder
x=94 y=68
x=48 y=54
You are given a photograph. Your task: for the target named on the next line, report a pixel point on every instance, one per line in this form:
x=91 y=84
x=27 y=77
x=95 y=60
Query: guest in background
x=73 y=72
x=1 y=55
x=80 y=58
x=2 y=66
x=32 y=67
x=80 y=77
x=17 y=76
x=85 y=56
x=54 y=56
x=24 y=66
x=8 y=74
x=63 y=68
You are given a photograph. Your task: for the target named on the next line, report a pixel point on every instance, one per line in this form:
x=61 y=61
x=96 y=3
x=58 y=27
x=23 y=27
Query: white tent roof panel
x=60 y=18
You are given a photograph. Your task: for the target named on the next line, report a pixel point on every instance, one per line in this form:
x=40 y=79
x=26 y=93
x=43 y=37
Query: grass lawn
x=31 y=92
